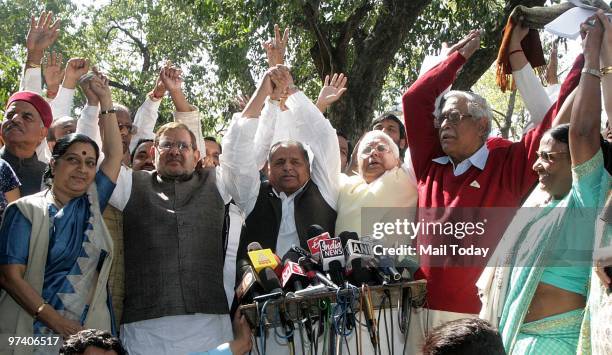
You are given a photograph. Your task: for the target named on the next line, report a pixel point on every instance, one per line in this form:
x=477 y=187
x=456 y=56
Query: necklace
x=57 y=201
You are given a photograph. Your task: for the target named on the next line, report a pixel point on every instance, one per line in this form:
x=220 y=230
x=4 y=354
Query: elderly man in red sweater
x=458 y=167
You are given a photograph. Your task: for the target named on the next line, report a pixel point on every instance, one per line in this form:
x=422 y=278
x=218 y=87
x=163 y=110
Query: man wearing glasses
x=458 y=165
x=173 y=245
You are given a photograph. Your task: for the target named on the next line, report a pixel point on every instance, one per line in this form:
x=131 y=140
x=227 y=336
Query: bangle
x=33 y=65
x=106 y=112
x=514 y=51
x=40 y=309
x=592 y=71
x=605 y=70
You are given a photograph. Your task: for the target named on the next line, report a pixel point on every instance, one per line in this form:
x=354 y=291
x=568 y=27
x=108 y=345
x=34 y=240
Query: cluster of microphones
x=330 y=264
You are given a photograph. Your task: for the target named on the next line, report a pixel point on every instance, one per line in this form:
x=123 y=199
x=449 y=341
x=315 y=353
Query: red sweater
x=506 y=180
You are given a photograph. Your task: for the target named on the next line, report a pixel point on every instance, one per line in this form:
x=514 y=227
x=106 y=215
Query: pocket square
x=475 y=184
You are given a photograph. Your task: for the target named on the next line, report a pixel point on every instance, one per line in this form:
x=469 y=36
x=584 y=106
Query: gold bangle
x=33 y=65
x=605 y=70
x=40 y=309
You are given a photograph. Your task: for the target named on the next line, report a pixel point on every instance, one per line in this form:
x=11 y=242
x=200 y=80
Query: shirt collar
x=478 y=159
x=284 y=196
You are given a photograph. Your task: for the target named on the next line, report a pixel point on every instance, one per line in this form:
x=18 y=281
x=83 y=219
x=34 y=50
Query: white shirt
x=536 y=99
x=478 y=159
x=177 y=334
x=244 y=155
x=174 y=334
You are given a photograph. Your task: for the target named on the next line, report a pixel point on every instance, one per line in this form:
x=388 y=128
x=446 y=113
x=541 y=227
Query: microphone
x=263 y=258
x=357 y=254
x=250 y=285
x=332 y=257
x=293 y=275
x=265 y=262
x=312 y=272
x=387 y=266
x=315 y=234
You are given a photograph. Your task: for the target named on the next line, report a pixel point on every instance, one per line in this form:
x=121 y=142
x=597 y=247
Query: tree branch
x=124 y=87
x=348 y=30
x=144 y=50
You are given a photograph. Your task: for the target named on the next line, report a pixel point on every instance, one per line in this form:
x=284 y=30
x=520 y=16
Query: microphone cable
x=262 y=323
x=405 y=316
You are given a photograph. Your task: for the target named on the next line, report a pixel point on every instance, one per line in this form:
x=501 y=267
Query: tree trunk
x=505 y=129
x=373 y=55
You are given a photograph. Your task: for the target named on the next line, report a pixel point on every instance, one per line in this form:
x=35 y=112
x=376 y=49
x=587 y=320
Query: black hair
x=288 y=142
x=349 y=146
x=63 y=144
x=213 y=139
x=140 y=141
x=560 y=133
x=390 y=116
x=77 y=343
x=464 y=336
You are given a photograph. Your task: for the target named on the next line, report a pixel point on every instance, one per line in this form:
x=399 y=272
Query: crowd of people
x=113 y=228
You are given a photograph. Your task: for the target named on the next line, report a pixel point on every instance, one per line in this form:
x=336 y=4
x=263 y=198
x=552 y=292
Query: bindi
x=83 y=153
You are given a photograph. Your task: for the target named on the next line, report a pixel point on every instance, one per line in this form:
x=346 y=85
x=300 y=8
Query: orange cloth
x=532 y=47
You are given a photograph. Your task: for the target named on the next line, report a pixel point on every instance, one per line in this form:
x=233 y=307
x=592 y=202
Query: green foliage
x=218 y=43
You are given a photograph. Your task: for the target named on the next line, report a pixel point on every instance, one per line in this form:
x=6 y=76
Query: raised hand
x=282 y=82
x=606 y=43
x=75 y=69
x=160 y=89
x=275 y=48
x=455 y=47
x=99 y=86
x=331 y=91
x=471 y=46
x=171 y=78
x=42 y=35
x=593 y=31
x=53 y=73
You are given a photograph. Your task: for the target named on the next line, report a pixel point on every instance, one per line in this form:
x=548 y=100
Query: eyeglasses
x=130 y=128
x=167 y=146
x=547 y=156
x=453 y=117
x=368 y=150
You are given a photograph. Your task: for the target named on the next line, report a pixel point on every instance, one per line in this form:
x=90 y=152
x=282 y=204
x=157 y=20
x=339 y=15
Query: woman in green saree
x=547 y=286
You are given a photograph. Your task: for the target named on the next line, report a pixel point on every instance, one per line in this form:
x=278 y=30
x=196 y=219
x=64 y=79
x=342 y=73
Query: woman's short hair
x=63 y=144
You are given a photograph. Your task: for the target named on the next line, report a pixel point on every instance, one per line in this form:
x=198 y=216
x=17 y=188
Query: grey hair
x=370 y=137
x=287 y=143
x=477 y=105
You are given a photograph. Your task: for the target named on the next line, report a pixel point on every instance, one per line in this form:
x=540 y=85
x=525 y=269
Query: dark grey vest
x=30 y=171
x=173 y=247
x=263 y=223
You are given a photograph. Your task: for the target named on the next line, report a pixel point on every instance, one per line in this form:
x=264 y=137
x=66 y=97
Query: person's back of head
x=464 y=336
x=89 y=340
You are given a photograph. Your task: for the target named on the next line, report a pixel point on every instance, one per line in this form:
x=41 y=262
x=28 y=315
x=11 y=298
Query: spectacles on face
x=166 y=146
x=129 y=127
x=453 y=117
x=548 y=156
x=368 y=150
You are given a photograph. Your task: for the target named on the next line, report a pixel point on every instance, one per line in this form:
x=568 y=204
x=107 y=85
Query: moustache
x=10 y=126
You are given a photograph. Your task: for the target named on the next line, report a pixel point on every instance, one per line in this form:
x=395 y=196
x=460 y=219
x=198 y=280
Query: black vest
x=173 y=247
x=30 y=171
x=263 y=224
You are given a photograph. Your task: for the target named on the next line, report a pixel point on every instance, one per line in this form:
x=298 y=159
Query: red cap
x=43 y=108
